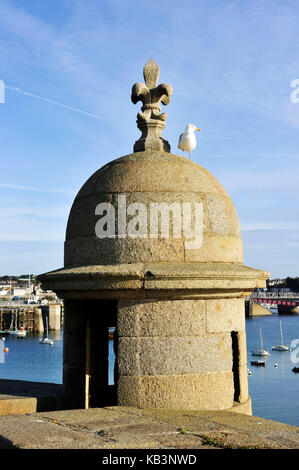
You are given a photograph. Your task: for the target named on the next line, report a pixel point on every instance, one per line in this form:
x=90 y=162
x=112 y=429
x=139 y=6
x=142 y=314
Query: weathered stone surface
x=244 y=407
x=171 y=355
x=225 y=315
x=155 y=280
x=124 y=251
x=22 y=397
x=243 y=380
x=13 y=405
x=242 y=348
x=150 y=121
x=151 y=172
x=152 y=179
x=161 y=318
x=38 y=319
x=211 y=391
x=132 y=428
x=221 y=248
x=219 y=211
x=54 y=317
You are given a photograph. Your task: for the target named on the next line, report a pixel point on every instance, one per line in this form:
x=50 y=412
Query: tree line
x=22 y=278
x=291 y=283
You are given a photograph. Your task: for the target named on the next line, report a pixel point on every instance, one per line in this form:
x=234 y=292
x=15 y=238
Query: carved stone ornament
x=151 y=121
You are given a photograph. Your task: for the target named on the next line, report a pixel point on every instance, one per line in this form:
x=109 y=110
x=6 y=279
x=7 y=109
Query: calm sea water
x=27 y=359
x=274 y=390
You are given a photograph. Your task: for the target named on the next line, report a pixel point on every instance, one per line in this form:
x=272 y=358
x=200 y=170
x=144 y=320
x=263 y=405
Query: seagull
x=187 y=140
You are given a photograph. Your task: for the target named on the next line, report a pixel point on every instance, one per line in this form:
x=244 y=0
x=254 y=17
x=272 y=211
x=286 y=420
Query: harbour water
x=27 y=359
x=274 y=390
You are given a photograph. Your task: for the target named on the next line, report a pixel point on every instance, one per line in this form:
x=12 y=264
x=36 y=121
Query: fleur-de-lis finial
x=151 y=121
x=151 y=73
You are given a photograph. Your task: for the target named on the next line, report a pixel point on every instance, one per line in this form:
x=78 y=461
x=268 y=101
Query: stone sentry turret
x=153 y=247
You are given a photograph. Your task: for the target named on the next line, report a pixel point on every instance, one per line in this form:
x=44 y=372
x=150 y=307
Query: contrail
x=29 y=188
x=47 y=100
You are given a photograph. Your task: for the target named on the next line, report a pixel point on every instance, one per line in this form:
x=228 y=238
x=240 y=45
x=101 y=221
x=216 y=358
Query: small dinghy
x=258 y=363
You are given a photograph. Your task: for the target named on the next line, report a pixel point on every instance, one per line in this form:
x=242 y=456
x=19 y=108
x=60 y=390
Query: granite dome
x=152 y=177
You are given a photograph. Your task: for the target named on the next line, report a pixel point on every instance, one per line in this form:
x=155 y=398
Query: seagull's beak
x=197 y=129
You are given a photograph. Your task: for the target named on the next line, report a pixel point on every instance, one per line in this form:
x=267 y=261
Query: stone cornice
x=155 y=280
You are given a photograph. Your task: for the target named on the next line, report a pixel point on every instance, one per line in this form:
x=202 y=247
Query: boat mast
x=281 y=333
x=262 y=346
x=11 y=323
x=29 y=288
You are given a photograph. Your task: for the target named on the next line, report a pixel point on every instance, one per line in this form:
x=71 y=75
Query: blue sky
x=231 y=64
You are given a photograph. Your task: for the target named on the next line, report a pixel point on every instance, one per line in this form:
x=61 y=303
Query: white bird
x=187 y=140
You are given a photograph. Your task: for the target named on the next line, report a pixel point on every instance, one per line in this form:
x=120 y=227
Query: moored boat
x=46 y=339
x=258 y=363
x=21 y=333
x=281 y=347
x=262 y=351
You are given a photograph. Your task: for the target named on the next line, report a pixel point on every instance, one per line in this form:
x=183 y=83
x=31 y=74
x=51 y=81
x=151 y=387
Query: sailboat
x=13 y=329
x=20 y=333
x=45 y=339
x=262 y=351
x=281 y=347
